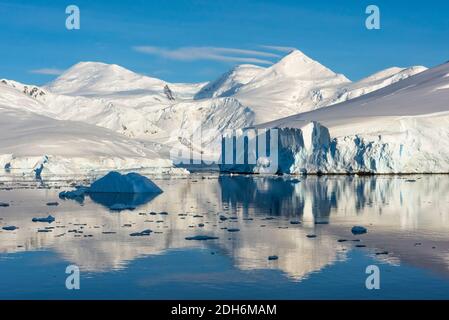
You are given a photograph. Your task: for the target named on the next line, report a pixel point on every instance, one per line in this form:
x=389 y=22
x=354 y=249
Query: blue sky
x=197 y=40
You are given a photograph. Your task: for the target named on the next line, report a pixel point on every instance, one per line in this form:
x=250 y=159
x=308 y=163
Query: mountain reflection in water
x=405 y=216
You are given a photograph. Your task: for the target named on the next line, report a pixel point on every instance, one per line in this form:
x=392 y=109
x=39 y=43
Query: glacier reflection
x=399 y=212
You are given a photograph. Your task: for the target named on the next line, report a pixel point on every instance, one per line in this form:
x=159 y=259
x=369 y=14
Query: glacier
x=402 y=128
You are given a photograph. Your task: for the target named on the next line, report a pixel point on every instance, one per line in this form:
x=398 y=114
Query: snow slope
x=230 y=82
x=37 y=145
x=298 y=83
x=375 y=82
x=402 y=128
x=101 y=79
x=143 y=115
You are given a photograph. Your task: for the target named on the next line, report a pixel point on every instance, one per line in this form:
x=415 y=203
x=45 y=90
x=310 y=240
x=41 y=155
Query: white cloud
x=47 y=71
x=210 y=53
x=278 y=48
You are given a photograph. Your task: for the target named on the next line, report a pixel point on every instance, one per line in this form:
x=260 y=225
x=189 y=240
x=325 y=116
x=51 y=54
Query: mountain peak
x=90 y=77
x=296 y=64
x=296 y=54
x=97 y=67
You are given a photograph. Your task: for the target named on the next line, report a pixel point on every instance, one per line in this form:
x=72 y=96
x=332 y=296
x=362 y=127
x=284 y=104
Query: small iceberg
x=77 y=194
x=123 y=192
x=201 y=238
x=52 y=204
x=10 y=228
x=114 y=182
x=358 y=230
x=146 y=232
x=116 y=191
x=48 y=219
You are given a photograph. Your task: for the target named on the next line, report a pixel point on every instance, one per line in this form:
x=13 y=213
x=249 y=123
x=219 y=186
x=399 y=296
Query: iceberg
x=114 y=182
x=201 y=238
x=9 y=228
x=143 y=233
x=48 y=219
x=116 y=191
x=77 y=194
x=356 y=230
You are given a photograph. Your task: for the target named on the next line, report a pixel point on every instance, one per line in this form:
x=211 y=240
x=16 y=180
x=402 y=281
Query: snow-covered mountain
x=34 y=144
x=228 y=84
x=295 y=84
x=96 y=79
x=401 y=128
x=154 y=112
x=375 y=82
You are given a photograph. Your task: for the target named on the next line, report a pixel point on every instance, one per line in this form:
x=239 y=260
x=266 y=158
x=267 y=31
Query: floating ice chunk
x=201 y=238
x=48 y=219
x=117 y=192
x=77 y=194
x=114 y=182
x=10 y=228
x=146 y=232
x=358 y=230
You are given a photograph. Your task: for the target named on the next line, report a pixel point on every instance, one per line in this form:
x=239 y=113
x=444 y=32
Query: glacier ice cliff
x=310 y=149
